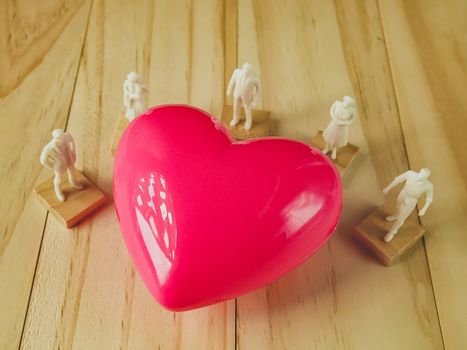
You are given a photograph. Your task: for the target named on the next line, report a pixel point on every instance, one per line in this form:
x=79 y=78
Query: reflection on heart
x=156 y=223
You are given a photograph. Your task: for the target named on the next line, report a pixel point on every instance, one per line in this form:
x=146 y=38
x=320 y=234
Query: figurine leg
x=403 y=214
x=326 y=149
x=248 y=116
x=58 y=191
x=131 y=113
x=400 y=203
x=128 y=114
x=236 y=112
x=72 y=178
x=334 y=153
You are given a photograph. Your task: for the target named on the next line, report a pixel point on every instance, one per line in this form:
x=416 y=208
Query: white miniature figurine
x=416 y=184
x=343 y=113
x=247 y=92
x=60 y=155
x=134 y=96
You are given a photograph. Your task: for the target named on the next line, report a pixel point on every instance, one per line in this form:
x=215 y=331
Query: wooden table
x=62 y=64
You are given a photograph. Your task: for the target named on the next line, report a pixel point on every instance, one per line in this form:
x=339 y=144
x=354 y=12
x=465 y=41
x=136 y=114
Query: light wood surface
x=428 y=56
x=63 y=64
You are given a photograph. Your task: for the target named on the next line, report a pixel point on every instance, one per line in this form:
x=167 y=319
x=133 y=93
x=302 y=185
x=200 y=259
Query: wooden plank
x=97 y=300
x=40 y=47
x=427 y=49
x=88 y=304
x=341 y=297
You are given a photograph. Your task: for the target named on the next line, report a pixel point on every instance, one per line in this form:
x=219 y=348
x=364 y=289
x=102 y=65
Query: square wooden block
x=120 y=126
x=78 y=203
x=345 y=155
x=373 y=228
x=259 y=127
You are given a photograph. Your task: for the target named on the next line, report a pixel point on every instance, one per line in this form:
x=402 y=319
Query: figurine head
x=346 y=108
x=247 y=67
x=424 y=173
x=57 y=133
x=133 y=77
x=348 y=102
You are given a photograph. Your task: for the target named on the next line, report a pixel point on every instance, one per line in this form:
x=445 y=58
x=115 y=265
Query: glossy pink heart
x=206 y=218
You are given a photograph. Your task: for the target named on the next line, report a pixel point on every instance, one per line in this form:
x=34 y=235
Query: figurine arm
x=343 y=122
x=397 y=180
x=135 y=96
x=138 y=92
x=258 y=94
x=428 y=201
x=333 y=114
x=339 y=121
x=71 y=143
x=126 y=99
x=231 y=83
x=45 y=159
x=349 y=121
x=331 y=110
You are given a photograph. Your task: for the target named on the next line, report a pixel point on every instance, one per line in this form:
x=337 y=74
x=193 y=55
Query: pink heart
x=206 y=218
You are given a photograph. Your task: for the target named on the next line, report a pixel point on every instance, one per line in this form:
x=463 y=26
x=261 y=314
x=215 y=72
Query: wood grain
x=29 y=31
x=97 y=300
x=318 y=304
x=427 y=48
x=32 y=103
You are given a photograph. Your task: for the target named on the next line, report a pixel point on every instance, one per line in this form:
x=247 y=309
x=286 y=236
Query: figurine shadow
x=300 y=134
x=314 y=282
x=105 y=183
x=273 y=125
x=106 y=186
x=352 y=172
x=96 y=213
x=336 y=266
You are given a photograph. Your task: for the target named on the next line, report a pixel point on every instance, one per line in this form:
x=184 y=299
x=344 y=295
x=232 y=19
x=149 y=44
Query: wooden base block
x=345 y=155
x=373 y=228
x=259 y=127
x=78 y=203
x=122 y=123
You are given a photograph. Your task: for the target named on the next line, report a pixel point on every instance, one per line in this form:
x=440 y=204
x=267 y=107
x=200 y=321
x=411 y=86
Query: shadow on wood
x=120 y=126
